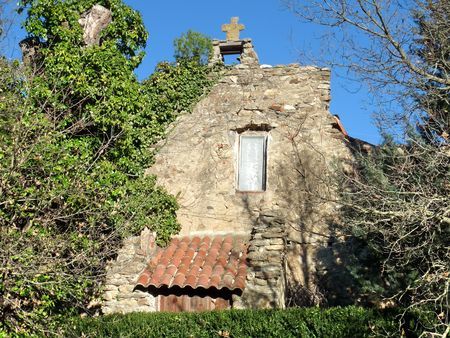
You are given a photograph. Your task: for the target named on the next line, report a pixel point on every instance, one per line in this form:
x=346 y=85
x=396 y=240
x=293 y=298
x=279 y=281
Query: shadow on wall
x=325 y=264
x=322 y=263
x=346 y=268
x=307 y=195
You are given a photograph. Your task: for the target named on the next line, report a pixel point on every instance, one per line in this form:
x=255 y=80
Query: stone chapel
x=250 y=168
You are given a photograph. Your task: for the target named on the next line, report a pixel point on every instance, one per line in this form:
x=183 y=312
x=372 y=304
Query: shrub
x=294 y=322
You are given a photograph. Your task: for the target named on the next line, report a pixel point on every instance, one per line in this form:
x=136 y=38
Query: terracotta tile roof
x=205 y=262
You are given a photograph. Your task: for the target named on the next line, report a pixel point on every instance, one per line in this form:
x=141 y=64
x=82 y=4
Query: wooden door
x=184 y=303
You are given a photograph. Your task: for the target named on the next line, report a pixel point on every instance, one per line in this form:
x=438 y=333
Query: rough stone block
x=126 y=288
x=110 y=295
x=272 y=235
x=260 y=281
x=117 y=280
x=275 y=248
x=145 y=302
x=110 y=287
x=267 y=274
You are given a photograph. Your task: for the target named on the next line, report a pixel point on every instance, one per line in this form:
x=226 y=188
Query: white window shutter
x=252 y=163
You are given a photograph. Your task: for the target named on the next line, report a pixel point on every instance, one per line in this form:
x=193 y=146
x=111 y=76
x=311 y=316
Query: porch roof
x=218 y=262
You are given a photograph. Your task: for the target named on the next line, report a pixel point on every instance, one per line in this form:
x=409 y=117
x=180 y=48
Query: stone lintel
x=217 y=42
x=231 y=47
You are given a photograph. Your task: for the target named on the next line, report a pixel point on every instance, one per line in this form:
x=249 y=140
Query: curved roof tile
x=209 y=261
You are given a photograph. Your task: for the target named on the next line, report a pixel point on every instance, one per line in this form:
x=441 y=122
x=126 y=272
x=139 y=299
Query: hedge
x=296 y=322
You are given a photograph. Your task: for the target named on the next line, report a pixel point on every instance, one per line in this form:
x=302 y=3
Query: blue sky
x=277 y=35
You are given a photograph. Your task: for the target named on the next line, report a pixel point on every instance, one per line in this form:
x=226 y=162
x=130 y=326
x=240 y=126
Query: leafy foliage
x=173 y=88
x=193 y=46
x=75 y=140
x=55 y=23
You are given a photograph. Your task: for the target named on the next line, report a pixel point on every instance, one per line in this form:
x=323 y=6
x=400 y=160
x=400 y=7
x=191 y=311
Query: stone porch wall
x=266 y=276
x=122 y=274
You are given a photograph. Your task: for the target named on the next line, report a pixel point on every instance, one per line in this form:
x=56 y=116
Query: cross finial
x=232 y=29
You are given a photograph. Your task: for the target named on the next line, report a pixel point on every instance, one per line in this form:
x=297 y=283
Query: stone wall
x=266 y=276
x=198 y=160
x=119 y=295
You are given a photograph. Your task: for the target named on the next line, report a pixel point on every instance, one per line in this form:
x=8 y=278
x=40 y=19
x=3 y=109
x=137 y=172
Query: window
x=252 y=163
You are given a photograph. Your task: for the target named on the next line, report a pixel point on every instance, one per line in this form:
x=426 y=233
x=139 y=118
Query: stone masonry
x=199 y=159
x=266 y=276
x=120 y=295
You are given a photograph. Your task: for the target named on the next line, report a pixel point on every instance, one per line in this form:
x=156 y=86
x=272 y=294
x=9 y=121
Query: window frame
x=265 y=138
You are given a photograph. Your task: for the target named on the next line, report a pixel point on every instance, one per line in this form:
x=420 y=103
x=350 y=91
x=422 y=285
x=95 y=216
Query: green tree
x=194 y=46
x=75 y=132
x=174 y=87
